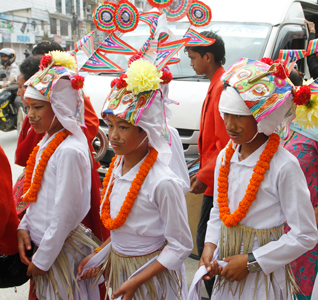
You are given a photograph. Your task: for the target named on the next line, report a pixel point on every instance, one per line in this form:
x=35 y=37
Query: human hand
x=316 y=214
x=91 y=272
x=236 y=269
x=206 y=257
x=33 y=270
x=197 y=186
x=5 y=84
x=311 y=26
x=24 y=244
x=127 y=290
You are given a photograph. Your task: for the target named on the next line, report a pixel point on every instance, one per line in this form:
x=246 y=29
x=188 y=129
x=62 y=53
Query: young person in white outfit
x=259 y=186
x=145 y=208
x=57 y=183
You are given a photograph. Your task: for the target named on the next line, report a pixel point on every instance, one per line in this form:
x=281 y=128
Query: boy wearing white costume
x=57 y=182
x=259 y=186
x=143 y=203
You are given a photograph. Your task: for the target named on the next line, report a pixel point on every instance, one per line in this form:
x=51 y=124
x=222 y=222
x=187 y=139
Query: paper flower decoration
x=63 y=59
x=142 y=76
x=307 y=115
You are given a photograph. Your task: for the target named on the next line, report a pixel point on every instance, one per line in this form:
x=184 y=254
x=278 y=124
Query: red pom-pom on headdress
x=166 y=77
x=121 y=82
x=267 y=60
x=114 y=82
x=77 y=82
x=302 y=96
x=45 y=61
x=281 y=69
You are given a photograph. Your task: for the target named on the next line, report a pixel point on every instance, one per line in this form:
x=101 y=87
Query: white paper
x=195 y=288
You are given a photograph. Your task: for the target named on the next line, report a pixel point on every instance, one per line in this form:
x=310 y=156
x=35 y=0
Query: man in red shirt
x=208 y=61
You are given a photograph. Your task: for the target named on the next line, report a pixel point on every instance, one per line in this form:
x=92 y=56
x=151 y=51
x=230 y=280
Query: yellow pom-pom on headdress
x=307 y=115
x=142 y=76
x=63 y=59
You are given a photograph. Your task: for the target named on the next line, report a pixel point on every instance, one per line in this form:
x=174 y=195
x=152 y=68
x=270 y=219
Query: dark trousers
x=207 y=204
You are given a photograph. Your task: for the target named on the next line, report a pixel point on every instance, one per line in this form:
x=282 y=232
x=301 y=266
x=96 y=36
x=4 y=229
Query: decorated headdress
x=139 y=95
x=267 y=92
x=138 y=98
x=58 y=83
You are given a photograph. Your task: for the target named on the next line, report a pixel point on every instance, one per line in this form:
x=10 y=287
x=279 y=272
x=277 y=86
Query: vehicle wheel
x=100 y=143
x=20 y=117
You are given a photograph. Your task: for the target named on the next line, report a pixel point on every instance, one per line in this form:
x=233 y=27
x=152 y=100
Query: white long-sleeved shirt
x=62 y=201
x=178 y=163
x=159 y=213
x=283 y=195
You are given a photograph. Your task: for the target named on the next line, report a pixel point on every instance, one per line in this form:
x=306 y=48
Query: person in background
x=45 y=47
x=303 y=144
x=208 y=61
x=8 y=66
x=8 y=216
x=26 y=53
x=312 y=59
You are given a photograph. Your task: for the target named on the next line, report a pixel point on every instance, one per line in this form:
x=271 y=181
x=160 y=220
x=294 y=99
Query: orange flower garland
x=30 y=191
x=252 y=189
x=112 y=224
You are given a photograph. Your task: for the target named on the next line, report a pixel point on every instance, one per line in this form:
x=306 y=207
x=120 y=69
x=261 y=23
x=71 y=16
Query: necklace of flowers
x=253 y=186
x=32 y=187
x=125 y=209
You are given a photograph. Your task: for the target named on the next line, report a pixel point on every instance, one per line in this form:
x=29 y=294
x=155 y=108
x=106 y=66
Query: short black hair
x=217 y=48
x=29 y=67
x=46 y=47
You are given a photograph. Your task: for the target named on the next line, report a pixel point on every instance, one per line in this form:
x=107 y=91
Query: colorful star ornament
x=197 y=39
x=100 y=63
x=199 y=14
x=104 y=16
x=177 y=9
x=113 y=44
x=126 y=16
x=160 y=3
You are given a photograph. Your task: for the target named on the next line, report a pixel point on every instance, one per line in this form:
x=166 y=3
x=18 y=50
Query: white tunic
x=159 y=213
x=62 y=201
x=283 y=195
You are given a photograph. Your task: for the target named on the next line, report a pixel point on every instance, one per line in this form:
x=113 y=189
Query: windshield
x=241 y=40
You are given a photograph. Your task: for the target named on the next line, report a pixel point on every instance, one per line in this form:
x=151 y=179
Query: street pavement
x=8 y=141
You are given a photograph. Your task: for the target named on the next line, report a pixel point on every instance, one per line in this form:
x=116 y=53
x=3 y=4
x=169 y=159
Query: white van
x=249 y=28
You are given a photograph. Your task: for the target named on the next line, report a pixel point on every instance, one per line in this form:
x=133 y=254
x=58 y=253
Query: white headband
x=232 y=103
x=33 y=93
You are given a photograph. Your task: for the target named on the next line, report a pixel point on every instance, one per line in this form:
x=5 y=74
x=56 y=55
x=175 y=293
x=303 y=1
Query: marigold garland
x=258 y=175
x=120 y=219
x=31 y=188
